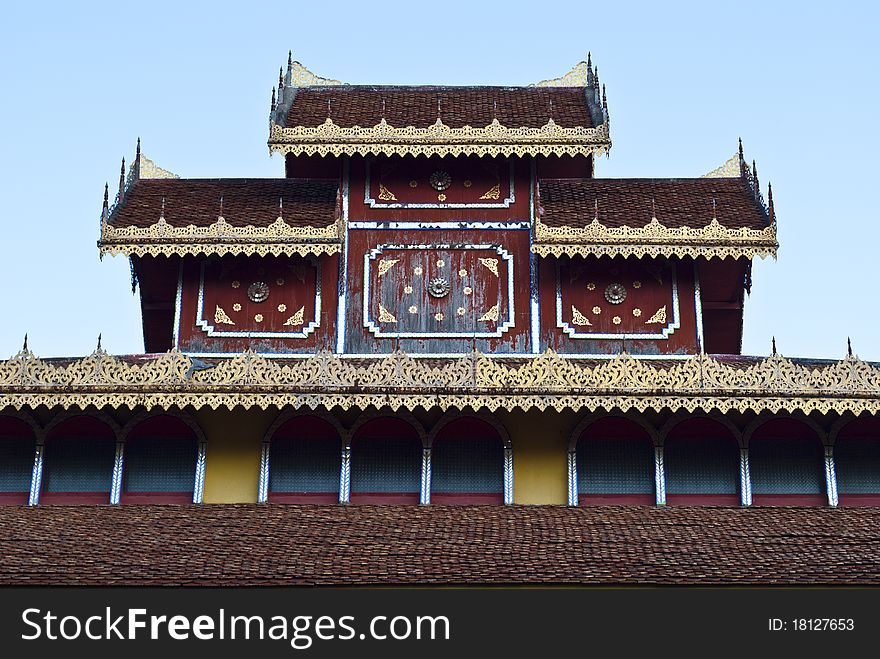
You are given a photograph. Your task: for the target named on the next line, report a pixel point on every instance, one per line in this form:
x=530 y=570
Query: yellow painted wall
x=540 y=448
x=232 y=462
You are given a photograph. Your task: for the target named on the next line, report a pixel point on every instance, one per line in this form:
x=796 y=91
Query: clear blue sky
x=798 y=82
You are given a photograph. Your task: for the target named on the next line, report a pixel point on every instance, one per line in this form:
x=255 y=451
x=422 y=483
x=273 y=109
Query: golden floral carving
x=577 y=318
x=730 y=169
x=300 y=76
x=297 y=318
x=577 y=77
x=439 y=139
x=221 y=318
x=547 y=381
x=654 y=239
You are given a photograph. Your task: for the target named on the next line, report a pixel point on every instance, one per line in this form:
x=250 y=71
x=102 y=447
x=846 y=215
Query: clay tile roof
x=249 y=544
x=628 y=202
x=254 y=202
x=514 y=107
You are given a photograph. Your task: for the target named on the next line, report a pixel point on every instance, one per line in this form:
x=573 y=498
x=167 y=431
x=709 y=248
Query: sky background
x=797 y=81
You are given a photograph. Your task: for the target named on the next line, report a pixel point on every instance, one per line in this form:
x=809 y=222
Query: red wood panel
x=439 y=189
x=859 y=500
x=155 y=497
x=467 y=498
x=616 y=499
x=304 y=497
x=589 y=317
x=74 y=498
x=14 y=498
x=385 y=498
x=789 y=500
x=270 y=304
x=702 y=499
x=484 y=298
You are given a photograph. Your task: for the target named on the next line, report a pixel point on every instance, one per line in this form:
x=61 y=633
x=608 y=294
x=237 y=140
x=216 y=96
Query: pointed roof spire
x=162 y=212
x=272 y=104
x=280 y=79
x=755 y=176
x=714 y=209
x=589 y=69
x=771 y=211
x=551 y=107
x=438 y=107
x=281 y=207
x=742 y=160
x=604 y=100
x=99 y=343
x=24 y=347
x=221 y=205
x=328 y=107
x=653 y=209
x=596 y=209
x=289 y=60
x=105 y=208
x=849 y=352
x=774 y=346
x=122 y=179
x=137 y=159
x=494 y=109
x=383 y=108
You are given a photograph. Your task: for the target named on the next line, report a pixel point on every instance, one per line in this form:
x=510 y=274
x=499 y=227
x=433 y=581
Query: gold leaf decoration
x=492 y=264
x=297 y=318
x=491 y=315
x=577 y=318
x=386 y=316
x=221 y=318
x=385 y=265
x=385 y=194
x=654 y=240
x=658 y=318
x=439 y=139
x=701 y=382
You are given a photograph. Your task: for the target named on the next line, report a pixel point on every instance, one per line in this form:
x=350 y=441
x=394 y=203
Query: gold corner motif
x=730 y=169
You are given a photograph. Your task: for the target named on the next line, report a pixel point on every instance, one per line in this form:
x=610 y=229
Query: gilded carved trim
x=655 y=239
x=439 y=139
x=220 y=237
x=579 y=76
x=401 y=382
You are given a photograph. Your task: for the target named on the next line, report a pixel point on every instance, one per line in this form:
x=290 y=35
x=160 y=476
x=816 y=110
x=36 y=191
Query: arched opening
x=857 y=461
x=160 y=462
x=467 y=464
x=615 y=463
x=701 y=458
x=78 y=462
x=787 y=465
x=305 y=455
x=17 y=449
x=386 y=459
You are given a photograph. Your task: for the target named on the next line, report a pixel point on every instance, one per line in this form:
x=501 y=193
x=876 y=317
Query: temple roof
x=721 y=214
x=253 y=544
x=313 y=115
x=220 y=216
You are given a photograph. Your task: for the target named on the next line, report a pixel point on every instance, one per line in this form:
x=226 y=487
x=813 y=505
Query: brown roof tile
x=629 y=202
x=514 y=107
x=249 y=544
x=306 y=202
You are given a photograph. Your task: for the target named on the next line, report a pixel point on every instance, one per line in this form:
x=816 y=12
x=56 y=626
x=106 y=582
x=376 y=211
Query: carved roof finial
x=272 y=104
x=653 y=209
x=328 y=107
x=281 y=207
x=596 y=77
x=755 y=176
x=770 y=209
x=596 y=209
x=280 y=79
x=99 y=343
x=289 y=60
x=137 y=159
x=162 y=212
x=589 y=69
x=24 y=347
x=105 y=208
x=551 y=107
x=495 y=109
x=774 y=346
x=742 y=160
x=604 y=100
x=221 y=205
x=122 y=179
x=849 y=352
x=714 y=209
x=383 y=108
x=438 y=108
